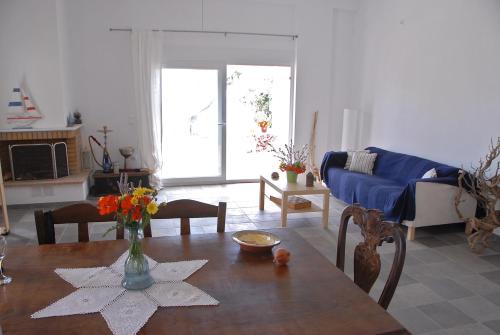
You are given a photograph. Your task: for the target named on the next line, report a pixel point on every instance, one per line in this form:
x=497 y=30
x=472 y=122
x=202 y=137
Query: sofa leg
x=410 y=236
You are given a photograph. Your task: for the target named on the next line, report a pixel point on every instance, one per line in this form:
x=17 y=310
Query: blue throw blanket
x=392 y=186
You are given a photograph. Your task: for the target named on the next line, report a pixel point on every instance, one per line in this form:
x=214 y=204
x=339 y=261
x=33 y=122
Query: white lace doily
x=99 y=290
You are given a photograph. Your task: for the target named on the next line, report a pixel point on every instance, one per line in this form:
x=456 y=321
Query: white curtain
x=146 y=64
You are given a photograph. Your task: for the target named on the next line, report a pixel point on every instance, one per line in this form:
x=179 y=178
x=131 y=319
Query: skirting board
x=22 y=195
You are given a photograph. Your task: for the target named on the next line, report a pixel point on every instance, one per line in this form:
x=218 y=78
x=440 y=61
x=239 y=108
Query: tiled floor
x=445 y=288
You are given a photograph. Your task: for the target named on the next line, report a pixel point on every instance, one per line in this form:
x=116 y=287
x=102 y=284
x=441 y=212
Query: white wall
x=72 y=61
x=314 y=67
x=63 y=43
x=342 y=78
x=429 y=76
x=100 y=67
x=30 y=57
x=99 y=60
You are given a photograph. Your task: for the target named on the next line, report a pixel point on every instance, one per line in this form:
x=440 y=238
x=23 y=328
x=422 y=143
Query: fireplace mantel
x=34 y=130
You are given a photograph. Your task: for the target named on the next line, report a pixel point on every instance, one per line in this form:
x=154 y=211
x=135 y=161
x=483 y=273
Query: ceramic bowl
x=256 y=240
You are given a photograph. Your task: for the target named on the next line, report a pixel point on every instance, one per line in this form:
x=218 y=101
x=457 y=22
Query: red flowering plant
x=291 y=158
x=263 y=142
x=133 y=208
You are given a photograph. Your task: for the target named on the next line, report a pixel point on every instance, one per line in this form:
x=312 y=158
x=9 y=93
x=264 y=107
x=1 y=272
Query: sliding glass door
x=219 y=124
x=191 y=125
x=258 y=117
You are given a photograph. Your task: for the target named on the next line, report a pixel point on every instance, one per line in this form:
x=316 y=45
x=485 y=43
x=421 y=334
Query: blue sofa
x=393 y=186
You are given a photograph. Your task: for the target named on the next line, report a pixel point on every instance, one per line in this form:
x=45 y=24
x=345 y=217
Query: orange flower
x=126 y=204
x=297 y=167
x=137 y=214
x=146 y=200
x=131 y=207
x=108 y=204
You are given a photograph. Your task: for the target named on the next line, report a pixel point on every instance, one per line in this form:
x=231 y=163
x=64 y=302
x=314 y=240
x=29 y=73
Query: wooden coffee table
x=286 y=189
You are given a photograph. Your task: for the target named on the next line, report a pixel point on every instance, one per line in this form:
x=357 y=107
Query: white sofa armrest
x=435 y=205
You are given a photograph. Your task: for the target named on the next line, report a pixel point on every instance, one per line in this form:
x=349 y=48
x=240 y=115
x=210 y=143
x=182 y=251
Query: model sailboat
x=22 y=112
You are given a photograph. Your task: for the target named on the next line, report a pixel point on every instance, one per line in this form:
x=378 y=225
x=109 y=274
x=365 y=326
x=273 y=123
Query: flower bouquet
x=133 y=209
x=292 y=160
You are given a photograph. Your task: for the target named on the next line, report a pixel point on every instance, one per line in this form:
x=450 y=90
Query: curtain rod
x=293 y=37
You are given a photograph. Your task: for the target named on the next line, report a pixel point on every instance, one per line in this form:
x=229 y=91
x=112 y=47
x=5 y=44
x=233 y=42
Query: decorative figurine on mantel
x=77 y=118
x=22 y=113
x=309 y=179
x=73 y=118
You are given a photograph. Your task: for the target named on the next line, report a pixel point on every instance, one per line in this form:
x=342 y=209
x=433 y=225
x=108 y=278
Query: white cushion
x=363 y=162
x=432 y=173
x=349 y=158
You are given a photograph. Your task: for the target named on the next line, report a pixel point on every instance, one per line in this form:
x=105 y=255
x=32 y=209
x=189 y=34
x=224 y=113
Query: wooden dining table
x=309 y=296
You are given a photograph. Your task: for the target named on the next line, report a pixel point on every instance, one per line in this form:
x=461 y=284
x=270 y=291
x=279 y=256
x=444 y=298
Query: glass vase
x=136 y=274
x=291 y=177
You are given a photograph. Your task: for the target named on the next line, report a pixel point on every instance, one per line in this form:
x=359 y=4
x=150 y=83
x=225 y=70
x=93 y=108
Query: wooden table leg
x=326 y=209
x=261 y=194
x=284 y=209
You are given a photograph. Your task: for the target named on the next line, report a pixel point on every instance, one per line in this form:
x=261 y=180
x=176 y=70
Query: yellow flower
x=140 y=191
x=152 y=208
x=135 y=200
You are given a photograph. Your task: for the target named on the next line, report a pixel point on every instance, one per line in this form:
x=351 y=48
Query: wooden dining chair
x=186 y=209
x=81 y=214
x=375 y=231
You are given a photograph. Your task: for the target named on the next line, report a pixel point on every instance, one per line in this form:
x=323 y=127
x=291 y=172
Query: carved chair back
x=184 y=209
x=81 y=214
x=375 y=231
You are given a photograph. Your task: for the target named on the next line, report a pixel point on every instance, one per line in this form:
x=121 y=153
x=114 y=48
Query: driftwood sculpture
x=483 y=184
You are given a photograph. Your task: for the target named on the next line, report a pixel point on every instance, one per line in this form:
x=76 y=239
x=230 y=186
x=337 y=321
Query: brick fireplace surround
x=71 y=188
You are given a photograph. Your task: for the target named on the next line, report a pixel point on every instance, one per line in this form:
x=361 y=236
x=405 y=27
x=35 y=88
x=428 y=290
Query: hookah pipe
x=107 y=165
x=92 y=150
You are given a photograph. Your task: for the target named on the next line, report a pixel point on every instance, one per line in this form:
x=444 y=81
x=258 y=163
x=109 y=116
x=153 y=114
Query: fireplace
x=20 y=185
x=69 y=135
x=38 y=161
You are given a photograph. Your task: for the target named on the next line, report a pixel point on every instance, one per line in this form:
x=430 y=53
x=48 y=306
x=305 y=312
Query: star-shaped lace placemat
x=99 y=290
